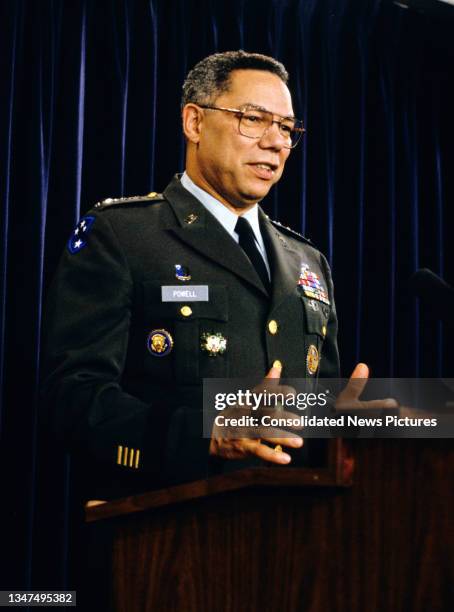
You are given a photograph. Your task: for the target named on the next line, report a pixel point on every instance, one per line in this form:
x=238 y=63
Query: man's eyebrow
x=262 y=108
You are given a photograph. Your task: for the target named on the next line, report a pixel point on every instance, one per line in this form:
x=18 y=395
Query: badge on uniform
x=182 y=273
x=79 y=236
x=312 y=359
x=159 y=342
x=311 y=286
x=213 y=344
x=313 y=304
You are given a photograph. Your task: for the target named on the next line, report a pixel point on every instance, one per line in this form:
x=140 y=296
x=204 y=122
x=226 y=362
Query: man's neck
x=205 y=186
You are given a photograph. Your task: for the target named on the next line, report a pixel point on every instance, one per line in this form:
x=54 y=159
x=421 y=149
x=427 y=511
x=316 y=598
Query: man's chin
x=247 y=198
x=251 y=196
x=247 y=202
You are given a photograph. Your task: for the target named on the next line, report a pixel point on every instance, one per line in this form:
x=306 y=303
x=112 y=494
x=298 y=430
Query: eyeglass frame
x=240 y=112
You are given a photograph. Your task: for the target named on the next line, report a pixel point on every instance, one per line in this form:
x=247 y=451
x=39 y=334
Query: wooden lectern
x=294 y=539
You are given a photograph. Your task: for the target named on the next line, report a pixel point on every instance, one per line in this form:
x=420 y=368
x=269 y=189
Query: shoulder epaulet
x=288 y=230
x=150 y=198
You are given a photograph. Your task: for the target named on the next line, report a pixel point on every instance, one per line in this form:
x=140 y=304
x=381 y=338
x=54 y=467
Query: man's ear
x=192 y=117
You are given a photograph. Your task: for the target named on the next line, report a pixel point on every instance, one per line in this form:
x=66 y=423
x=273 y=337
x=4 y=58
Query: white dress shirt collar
x=226 y=217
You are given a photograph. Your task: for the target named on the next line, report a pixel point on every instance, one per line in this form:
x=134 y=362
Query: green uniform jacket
x=129 y=414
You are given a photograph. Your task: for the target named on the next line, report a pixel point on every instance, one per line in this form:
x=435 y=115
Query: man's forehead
x=259 y=88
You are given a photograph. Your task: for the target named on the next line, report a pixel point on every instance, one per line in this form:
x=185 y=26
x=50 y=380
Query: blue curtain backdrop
x=90 y=109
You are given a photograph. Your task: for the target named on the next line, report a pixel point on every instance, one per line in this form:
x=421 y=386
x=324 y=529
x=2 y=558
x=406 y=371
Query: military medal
x=182 y=273
x=213 y=344
x=312 y=359
x=159 y=342
x=311 y=286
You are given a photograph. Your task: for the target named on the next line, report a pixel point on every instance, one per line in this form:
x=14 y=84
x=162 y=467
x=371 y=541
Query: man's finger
x=355 y=385
x=228 y=449
x=361 y=371
x=286 y=390
x=275 y=371
x=272 y=378
x=293 y=442
x=273 y=392
x=266 y=453
x=378 y=404
x=270 y=429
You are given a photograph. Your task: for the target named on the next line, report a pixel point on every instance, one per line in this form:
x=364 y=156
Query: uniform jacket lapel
x=284 y=260
x=200 y=230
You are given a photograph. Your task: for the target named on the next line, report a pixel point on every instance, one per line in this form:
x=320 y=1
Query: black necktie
x=249 y=246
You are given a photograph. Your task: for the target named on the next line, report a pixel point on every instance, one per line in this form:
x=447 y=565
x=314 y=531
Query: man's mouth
x=264 y=170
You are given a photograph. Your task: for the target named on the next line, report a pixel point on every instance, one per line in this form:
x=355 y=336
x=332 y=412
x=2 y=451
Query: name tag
x=188 y=293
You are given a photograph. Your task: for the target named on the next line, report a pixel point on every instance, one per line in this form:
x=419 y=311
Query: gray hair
x=210 y=77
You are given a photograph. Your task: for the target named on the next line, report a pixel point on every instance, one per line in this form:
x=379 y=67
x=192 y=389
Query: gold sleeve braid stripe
x=128 y=457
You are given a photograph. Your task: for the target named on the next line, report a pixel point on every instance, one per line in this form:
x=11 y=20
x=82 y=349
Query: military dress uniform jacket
x=127 y=412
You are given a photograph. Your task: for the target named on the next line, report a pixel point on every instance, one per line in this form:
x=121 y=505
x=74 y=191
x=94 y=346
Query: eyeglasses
x=254 y=122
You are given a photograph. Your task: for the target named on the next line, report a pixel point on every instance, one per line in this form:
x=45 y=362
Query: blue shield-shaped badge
x=79 y=236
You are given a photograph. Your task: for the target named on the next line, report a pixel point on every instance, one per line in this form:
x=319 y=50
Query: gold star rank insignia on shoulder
x=79 y=236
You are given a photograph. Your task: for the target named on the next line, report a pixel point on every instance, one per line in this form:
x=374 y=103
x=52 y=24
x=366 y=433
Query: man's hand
x=348 y=399
x=239 y=448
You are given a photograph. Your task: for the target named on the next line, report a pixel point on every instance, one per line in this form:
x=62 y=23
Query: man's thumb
x=356 y=384
x=361 y=371
x=275 y=371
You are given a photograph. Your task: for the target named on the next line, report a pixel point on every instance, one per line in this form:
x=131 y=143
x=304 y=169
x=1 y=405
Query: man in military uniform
x=155 y=293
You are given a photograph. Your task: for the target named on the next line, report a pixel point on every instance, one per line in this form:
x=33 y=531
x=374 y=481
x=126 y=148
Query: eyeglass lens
x=254 y=123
